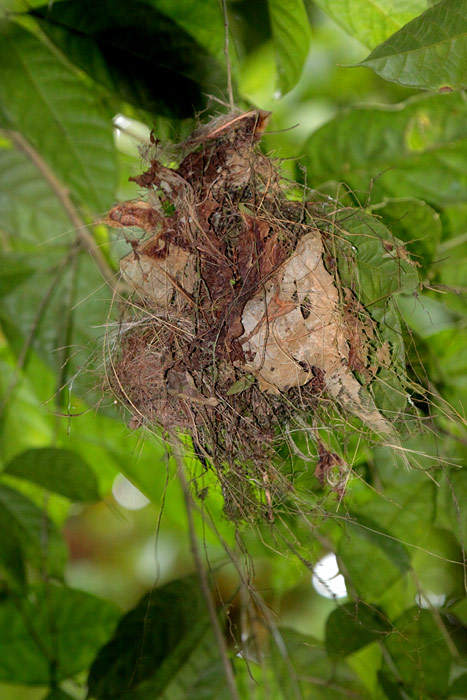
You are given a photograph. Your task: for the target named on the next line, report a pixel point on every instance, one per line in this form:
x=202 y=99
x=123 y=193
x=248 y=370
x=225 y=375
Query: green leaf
x=373 y=560
x=430 y=52
x=420 y=654
x=11 y=559
x=414 y=222
x=449 y=362
x=405 y=508
x=135 y=51
x=29 y=211
x=460 y=610
x=13 y=272
x=415 y=149
x=458 y=688
x=372 y=264
x=301 y=667
x=352 y=626
x=453 y=220
x=291 y=36
x=389 y=388
x=200 y=677
x=69 y=322
x=452 y=275
x=200 y=18
x=61 y=471
x=452 y=503
x=423 y=450
x=71 y=318
x=372 y=21
x=426 y=316
x=59 y=694
x=152 y=642
x=40 y=541
x=53 y=626
x=206 y=679
x=391 y=689
x=438 y=567
x=64 y=125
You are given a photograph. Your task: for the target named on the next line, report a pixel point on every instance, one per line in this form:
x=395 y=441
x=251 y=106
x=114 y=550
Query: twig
x=177 y=451
x=228 y=65
x=83 y=233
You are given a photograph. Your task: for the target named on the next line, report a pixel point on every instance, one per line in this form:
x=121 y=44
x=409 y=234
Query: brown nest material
x=238 y=320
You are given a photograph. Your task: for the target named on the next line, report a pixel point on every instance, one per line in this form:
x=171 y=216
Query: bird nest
x=249 y=317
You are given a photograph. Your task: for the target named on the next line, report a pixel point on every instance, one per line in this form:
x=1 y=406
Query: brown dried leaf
x=159 y=270
x=133 y=213
x=383 y=354
x=284 y=340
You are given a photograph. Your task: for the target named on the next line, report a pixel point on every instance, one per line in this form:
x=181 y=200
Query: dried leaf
x=285 y=341
x=157 y=270
x=133 y=213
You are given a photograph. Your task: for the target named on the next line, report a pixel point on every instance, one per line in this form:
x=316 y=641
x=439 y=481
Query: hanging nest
x=251 y=314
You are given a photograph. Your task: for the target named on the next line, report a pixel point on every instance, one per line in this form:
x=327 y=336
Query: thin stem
x=83 y=233
x=227 y=54
x=177 y=451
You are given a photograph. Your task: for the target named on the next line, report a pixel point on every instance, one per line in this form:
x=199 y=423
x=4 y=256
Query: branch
x=177 y=451
x=83 y=233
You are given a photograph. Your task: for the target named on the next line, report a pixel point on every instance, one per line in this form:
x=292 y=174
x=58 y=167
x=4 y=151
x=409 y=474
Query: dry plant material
x=237 y=323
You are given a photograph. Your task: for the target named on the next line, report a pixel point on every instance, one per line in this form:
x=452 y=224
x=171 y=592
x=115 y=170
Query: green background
x=368 y=105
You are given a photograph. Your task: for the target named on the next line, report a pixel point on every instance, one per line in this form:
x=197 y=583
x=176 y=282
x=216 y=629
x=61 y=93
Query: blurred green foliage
x=67 y=70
